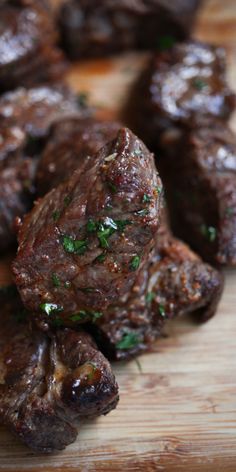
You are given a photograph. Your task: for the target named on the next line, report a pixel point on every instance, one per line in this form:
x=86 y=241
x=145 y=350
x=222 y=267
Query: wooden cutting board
x=178 y=411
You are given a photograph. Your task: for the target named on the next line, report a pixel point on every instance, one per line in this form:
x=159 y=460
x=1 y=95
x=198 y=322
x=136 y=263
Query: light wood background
x=178 y=414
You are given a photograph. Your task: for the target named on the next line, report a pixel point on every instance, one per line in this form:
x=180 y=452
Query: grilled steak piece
x=25 y=117
x=50 y=385
x=16 y=195
x=90 y=28
x=202 y=201
x=70 y=141
x=184 y=86
x=174 y=282
x=82 y=244
x=35 y=110
x=28 y=53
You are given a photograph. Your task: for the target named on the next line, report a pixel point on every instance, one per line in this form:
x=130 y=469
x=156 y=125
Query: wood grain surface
x=178 y=412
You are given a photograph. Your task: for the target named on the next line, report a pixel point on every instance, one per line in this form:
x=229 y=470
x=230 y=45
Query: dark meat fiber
x=25 y=117
x=184 y=86
x=81 y=246
x=92 y=28
x=69 y=143
x=202 y=201
x=28 y=53
x=50 y=385
x=174 y=282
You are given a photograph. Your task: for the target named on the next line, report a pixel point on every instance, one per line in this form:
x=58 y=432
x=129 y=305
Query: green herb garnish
x=84 y=314
x=50 y=308
x=128 y=341
x=146 y=198
x=150 y=296
x=162 y=310
x=56 y=215
x=143 y=212
x=83 y=99
x=91 y=226
x=209 y=232
x=135 y=262
x=199 y=84
x=67 y=200
x=74 y=246
x=101 y=258
x=55 y=280
x=67 y=284
x=165 y=42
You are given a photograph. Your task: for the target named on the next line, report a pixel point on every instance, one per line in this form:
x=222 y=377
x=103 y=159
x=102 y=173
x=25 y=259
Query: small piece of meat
x=28 y=52
x=34 y=110
x=184 y=86
x=91 y=28
x=174 y=282
x=50 y=385
x=202 y=201
x=16 y=195
x=82 y=244
x=26 y=117
x=69 y=143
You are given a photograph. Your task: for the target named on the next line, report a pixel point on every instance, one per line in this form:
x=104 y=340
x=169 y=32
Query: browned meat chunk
x=50 y=385
x=35 y=110
x=26 y=116
x=91 y=28
x=174 y=282
x=69 y=143
x=81 y=246
x=28 y=53
x=202 y=201
x=184 y=86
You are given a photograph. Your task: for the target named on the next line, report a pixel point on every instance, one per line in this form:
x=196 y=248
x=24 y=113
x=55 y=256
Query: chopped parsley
x=209 y=232
x=91 y=226
x=101 y=258
x=165 y=42
x=50 y=308
x=85 y=314
x=93 y=370
x=158 y=188
x=143 y=212
x=135 y=262
x=121 y=224
x=150 y=296
x=112 y=186
x=55 y=280
x=83 y=99
x=128 y=341
x=146 y=198
x=74 y=246
x=56 y=215
x=162 y=310
x=199 y=84
x=67 y=200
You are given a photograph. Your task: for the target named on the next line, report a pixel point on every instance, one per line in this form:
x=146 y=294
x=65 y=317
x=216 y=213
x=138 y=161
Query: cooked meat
x=183 y=86
x=69 y=143
x=174 y=282
x=90 y=28
x=26 y=116
x=16 y=195
x=82 y=244
x=50 y=385
x=28 y=54
x=202 y=201
x=34 y=110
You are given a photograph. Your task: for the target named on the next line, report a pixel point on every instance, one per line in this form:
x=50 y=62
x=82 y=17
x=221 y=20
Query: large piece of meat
x=174 y=282
x=28 y=52
x=92 y=28
x=84 y=242
x=50 y=385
